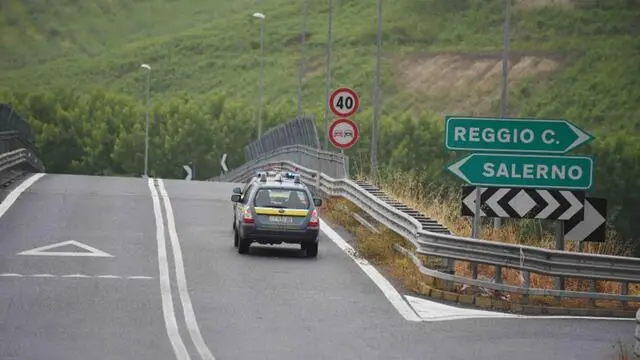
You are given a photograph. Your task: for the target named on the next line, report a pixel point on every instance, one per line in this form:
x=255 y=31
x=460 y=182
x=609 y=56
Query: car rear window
x=281 y=198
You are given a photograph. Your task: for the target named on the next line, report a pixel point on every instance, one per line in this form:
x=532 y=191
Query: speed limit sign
x=344 y=102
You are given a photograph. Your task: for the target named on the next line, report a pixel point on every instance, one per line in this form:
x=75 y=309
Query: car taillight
x=313 y=222
x=246 y=217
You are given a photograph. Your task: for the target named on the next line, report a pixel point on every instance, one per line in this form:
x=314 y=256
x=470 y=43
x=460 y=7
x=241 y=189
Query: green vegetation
x=73 y=68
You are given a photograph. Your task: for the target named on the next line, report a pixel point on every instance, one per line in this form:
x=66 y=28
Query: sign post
x=519 y=170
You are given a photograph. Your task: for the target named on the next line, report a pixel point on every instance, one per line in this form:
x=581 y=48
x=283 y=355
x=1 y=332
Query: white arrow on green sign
x=513 y=135
x=530 y=171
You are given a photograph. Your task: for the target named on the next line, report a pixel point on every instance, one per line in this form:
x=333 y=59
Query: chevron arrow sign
x=525 y=203
x=593 y=226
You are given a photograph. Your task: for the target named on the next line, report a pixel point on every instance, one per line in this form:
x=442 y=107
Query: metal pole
x=376 y=100
x=475 y=230
x=305 y=11
x=261 y=78
x=504 y=93
x=146 y=137
x=328 y=85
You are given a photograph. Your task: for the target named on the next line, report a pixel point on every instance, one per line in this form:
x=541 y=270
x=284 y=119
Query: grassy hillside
x=573 y=59
x=577 y=60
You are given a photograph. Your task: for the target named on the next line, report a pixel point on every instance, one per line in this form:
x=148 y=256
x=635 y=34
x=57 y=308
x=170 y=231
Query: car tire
x=311 y=249
x=243 y=245
x=235 y=237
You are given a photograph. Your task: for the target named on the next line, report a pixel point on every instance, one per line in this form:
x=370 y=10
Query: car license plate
x=280 y=219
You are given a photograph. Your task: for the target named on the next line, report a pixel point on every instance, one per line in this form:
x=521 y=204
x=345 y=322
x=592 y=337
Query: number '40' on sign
x=344 y=102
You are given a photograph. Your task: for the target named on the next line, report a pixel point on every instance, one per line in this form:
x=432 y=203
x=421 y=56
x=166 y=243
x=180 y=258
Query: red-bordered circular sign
x=344 y=102
x=343 y=133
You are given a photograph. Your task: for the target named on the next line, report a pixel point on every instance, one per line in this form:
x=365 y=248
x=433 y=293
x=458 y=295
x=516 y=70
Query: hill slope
x=572 y=59
x=440 y=55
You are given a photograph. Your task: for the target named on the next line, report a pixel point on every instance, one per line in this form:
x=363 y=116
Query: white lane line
x=189 y=314
x=383 y=284
x=76 y=276
x=80 y=276
x=10 y=275
x=165 y=286
x=15 y=193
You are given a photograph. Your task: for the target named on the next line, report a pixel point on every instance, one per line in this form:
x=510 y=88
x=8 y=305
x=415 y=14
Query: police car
x=273 y=211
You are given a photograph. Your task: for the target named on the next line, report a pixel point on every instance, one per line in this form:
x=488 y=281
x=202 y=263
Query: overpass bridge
x=130 y=268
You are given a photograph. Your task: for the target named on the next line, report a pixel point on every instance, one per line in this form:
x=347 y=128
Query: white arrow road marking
x=592 y=220
x=492 y=202
x=576 y=205
x=582 y=136
x=553 y=204
x=42 y=251
x=15 y=193
x=455 y=167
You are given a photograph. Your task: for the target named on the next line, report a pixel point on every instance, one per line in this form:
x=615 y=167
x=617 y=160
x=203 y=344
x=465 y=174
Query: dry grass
x=443 y=204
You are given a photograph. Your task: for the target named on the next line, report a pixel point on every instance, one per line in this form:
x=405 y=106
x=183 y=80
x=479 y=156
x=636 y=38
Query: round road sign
x=344 y=102
x=343 y=133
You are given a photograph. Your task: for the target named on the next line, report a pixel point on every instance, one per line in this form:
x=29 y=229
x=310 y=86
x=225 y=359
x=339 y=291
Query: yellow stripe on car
x=284 y=212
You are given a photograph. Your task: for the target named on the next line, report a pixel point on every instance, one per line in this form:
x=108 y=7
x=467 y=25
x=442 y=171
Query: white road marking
x=76 y=276
x=383 y=284
x=165 y=286
x=187 y=307
x=15 y=193
x=434 y=311
x=42 y=251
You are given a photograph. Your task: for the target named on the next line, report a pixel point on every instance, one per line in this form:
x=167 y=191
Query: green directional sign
x=513 y=135
x=530 y=171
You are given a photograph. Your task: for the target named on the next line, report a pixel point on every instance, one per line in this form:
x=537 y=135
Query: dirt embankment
x=465 y=83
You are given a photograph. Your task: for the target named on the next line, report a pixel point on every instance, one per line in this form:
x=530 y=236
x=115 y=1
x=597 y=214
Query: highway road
x=146 y=269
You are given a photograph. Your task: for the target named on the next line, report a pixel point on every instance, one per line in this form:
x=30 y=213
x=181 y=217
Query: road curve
x=271 y=304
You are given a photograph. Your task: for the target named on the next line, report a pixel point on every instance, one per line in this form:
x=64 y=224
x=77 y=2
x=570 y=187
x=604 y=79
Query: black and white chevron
x=523 y=203
x=593 y=227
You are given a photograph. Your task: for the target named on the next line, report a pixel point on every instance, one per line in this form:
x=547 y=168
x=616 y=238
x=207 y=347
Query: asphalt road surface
x=165 y=282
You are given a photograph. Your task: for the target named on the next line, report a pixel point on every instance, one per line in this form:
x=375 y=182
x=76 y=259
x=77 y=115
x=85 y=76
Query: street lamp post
x=504 y=89
x=146 y=136
x=328 y=84
x=305 y=11
x=261 y=85
x=375 y=126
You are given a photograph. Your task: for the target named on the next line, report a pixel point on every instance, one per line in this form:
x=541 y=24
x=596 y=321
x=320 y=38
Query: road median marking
x=187 y=307
x=168 y=312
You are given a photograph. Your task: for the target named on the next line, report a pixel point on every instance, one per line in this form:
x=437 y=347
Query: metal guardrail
x=330 y=163
x=20 y=157
x=636 y=348
x=524 y=258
